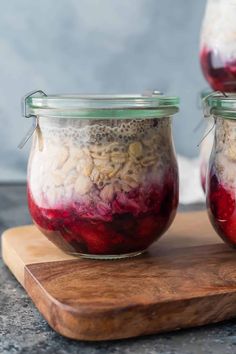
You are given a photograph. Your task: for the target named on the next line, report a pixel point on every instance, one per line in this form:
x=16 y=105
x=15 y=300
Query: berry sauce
x=220 y=75
x=129 y=223
x=221 y=203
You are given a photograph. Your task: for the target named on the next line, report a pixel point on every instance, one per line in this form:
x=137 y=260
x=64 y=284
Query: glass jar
x=221 y=179
x=102 y=175
x=218 y=45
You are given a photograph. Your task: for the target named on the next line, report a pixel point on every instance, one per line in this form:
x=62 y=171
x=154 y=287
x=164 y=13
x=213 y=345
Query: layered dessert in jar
x=103 y=188
x=221 y=179
x=218 y=45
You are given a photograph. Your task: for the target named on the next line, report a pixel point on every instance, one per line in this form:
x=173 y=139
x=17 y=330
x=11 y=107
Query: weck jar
x=218 y=45
x=221 y=179
x=102 y=174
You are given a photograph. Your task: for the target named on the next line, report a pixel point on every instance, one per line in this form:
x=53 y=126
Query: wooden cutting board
x=188 y=278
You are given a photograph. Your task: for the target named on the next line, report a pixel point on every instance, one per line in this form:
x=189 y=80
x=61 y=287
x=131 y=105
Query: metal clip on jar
x=102 y=174
x=221 y=179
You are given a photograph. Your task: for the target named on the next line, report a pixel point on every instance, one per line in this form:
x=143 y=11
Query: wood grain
x=110 y=300
x=26 y=245
x=188 y=278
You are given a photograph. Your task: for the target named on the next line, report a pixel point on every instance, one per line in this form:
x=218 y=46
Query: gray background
x=102 y=46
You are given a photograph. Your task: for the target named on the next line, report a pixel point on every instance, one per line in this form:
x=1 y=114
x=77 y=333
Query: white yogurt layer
x=219 y=28
x=207 y=143
x=75 y=161
x=225 y=151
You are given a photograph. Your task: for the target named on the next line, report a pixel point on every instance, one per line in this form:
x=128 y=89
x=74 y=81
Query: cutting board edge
x=11 y=259
x=77 y=324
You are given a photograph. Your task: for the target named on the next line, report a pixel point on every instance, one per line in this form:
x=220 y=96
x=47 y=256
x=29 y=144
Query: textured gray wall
x=99 y=46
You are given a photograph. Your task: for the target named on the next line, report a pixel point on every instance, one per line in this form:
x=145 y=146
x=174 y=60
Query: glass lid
x=153 y=104
x=223 y=104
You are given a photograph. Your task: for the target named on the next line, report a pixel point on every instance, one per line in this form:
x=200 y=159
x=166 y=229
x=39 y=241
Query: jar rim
x=222 y=104
x=107 y=106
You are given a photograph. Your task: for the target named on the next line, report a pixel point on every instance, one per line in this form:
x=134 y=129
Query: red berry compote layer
x=103 y=190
